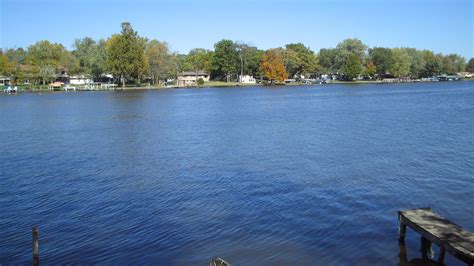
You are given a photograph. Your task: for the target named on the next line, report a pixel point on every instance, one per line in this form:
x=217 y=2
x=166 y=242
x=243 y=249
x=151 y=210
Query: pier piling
x=35 y=246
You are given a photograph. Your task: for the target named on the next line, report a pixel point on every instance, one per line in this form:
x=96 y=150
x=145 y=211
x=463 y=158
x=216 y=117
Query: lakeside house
x=105 y=78
x=189 y=78
x=80 y=80
x=4 y=81
x=62 y=76
x=247 y=79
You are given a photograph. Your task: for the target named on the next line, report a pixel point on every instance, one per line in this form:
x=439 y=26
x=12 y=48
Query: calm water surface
x=287 y=175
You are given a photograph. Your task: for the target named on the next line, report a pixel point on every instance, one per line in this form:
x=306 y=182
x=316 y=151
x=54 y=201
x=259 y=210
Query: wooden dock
x=435 y=229
x=219 y=262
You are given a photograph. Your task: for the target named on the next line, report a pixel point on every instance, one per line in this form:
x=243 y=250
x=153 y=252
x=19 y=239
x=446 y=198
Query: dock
x=433 y=228
x=219 y=262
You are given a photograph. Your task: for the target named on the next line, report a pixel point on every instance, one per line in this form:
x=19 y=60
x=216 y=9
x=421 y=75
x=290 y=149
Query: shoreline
x=235 y=85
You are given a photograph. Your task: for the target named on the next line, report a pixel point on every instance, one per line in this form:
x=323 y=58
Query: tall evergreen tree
x=125 y=54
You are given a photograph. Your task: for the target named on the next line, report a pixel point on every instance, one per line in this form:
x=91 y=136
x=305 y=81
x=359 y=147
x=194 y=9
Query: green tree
x=69 y=63
x=252 y=58
x=161 y=64
x=306 y=63
x=199 y=59
x=382 y=59
x=16 y=56
x=400 y=66
x=290 y=59
x=346 y=49
x=470 y=66
x=182 y=62
x=370 y=69
x=85 y=51
x=453 y=64
x=459 y=62
x=249 y=59
x=49 y=58
x=433 y=64
x=47 y=73
x=327 y=60
x=417 y=62
x=91 y=56
x=100 y=66
x=352 y=67
x=225 y=59
x=126 y=54
x=6 y=67
x=44 y=53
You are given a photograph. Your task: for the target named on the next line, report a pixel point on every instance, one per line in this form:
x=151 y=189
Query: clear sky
x=445 y=26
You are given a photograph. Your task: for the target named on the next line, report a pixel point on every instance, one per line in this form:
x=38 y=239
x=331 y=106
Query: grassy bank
x=223 y=84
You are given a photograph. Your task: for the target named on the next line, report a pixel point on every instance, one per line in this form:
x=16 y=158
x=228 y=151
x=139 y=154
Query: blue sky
x=445 y=26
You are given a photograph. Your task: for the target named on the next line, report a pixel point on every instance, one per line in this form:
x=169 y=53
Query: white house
x=4 y=81
x=465 y=74
x=247 y=79
x=189 y=78
x=80 y=80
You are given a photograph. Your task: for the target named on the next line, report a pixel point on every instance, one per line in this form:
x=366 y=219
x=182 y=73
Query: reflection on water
x=292 y=175
x=403 y=258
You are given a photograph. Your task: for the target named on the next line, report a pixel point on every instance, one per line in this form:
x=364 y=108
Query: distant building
x=80 y=80
x=449 y=77
x=62 y=76
x=4 y=81
x=57 y=85
x=189 y=78
x=105 y=78
x=465 y=74
x=247 y=79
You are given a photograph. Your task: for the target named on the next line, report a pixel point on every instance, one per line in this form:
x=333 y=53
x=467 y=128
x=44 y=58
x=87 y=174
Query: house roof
x=193 y=73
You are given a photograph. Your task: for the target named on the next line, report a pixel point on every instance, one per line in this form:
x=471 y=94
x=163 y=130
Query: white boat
x=9 y=89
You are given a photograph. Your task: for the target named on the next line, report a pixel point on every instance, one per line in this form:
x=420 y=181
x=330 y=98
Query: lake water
x=307 y=175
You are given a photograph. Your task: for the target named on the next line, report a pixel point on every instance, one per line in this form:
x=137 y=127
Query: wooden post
x=425 y=247
x=442 y=252
x=402 y=253
x=402 y=230
x=35 y=246
x=219 y=262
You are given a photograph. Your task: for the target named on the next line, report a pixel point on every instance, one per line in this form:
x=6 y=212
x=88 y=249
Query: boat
x=9 y=89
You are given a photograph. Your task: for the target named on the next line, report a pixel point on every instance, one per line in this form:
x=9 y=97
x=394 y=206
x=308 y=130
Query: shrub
x=200 y=82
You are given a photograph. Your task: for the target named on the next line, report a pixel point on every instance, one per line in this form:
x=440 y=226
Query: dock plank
x=441 y=231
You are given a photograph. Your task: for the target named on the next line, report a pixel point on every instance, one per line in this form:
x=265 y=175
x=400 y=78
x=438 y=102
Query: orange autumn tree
x=272 y=66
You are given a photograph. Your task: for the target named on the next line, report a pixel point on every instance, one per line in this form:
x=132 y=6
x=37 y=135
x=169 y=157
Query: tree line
x=132 y=58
